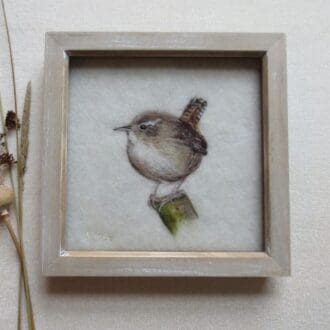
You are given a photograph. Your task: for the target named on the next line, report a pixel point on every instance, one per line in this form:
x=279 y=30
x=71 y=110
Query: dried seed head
x=12 y=121
x=7 y=159
x=6 y=196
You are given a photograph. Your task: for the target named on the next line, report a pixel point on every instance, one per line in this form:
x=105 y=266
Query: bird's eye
x=143 y=127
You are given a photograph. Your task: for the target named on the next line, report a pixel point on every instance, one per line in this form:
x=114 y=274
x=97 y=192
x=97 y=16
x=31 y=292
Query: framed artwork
x=165 y=154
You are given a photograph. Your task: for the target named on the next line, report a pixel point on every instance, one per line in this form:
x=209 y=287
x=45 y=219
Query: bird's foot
x=154 y=201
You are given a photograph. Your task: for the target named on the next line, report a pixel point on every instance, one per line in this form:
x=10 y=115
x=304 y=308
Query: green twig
x=174 y=211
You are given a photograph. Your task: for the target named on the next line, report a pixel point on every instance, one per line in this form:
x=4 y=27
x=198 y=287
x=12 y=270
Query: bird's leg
x=153 y=199
x=173 y=194
x=176 y=190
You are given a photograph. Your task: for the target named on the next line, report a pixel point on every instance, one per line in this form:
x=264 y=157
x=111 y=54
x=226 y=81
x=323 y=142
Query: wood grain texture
x=270 y=48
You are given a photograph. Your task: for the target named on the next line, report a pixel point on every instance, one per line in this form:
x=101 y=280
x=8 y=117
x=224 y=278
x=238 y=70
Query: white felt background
x=299 y=302
x=107 y=199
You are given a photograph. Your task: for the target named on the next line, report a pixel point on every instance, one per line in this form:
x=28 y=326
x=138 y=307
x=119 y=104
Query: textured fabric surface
x=107 y=198
x=298 y=302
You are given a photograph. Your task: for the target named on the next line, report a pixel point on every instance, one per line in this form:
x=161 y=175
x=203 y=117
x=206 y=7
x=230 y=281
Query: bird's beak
x=123 y=128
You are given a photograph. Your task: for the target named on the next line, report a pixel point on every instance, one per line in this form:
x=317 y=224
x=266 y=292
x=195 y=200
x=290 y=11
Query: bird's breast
x=156 y=163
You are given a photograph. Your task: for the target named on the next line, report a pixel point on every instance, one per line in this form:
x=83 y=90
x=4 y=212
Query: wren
x=165 y=148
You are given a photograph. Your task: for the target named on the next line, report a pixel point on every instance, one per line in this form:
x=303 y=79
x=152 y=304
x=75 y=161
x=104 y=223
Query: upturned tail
x=193 y=112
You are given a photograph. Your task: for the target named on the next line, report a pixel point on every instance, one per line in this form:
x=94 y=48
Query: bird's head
x=145 y=127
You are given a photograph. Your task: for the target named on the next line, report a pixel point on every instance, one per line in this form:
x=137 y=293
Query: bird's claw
x=158 y=202
x=154 y=201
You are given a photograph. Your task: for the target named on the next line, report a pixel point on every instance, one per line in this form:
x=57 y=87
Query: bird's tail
x=193 y=111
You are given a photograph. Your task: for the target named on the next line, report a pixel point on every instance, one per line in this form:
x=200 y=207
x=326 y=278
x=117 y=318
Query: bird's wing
x=193 y=112
x=186 y=135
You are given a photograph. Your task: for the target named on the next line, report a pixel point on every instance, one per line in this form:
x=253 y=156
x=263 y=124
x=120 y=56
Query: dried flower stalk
x=24 y=145
x=12 y=121
x=19 y=248
x=18 y=203
x=4 y=147
x=5 y=218
x=6 y=156
x=7 y=159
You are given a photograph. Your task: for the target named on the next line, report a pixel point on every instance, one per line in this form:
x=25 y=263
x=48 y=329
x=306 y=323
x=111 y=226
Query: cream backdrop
x=299 y=302
x=107 y=93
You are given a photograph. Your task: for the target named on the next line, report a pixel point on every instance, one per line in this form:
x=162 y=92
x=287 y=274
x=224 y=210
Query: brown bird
x=165 y=148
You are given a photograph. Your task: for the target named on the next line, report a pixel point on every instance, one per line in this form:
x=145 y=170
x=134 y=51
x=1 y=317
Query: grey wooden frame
x=273 y=261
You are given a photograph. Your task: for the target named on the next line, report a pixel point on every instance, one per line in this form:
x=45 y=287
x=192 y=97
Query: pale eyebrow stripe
x=151 y=122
